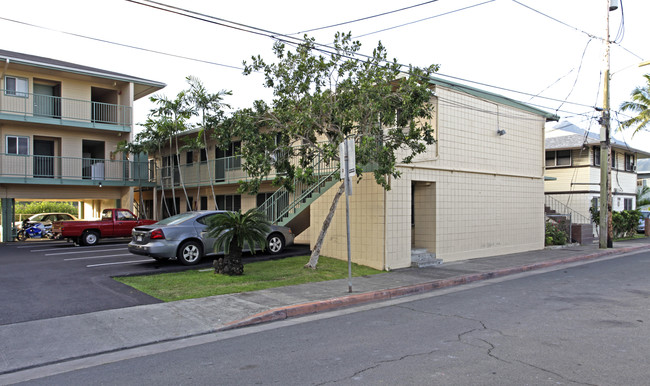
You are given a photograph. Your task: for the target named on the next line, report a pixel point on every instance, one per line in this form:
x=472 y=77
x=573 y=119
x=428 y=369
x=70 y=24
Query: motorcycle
x=34 y=231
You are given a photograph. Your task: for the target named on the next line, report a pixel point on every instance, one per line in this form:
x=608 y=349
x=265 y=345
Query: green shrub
x=45 y=207
x=624 y=223
x=555 y=235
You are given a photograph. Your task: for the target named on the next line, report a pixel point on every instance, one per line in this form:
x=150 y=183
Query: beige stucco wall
x=488 y=191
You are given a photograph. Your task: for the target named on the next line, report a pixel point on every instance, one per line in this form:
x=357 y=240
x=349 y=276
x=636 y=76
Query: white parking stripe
x=70 y=253
x=97 y=257
x=76 y=248
x=40 y=244
x=121 y=262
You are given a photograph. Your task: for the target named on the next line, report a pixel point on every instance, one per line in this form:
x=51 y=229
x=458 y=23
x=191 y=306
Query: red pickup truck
x=114 y=223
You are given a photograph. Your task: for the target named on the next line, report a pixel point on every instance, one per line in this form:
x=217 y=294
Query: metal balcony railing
x=32 y=167
x=38 y=107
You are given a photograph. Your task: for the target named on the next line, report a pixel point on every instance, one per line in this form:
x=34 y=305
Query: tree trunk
x=180 y=174
x=313 y=260
x=207 y=161
x=231 y=263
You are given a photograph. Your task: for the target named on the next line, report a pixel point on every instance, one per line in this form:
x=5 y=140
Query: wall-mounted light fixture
x=501 y=132
x=100 y=184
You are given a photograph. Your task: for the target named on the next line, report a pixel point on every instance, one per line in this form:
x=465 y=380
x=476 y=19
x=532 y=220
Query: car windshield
x=37 y=217
x=177 y=219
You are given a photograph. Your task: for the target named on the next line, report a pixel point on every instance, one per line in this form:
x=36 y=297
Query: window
x=204 y=155
x=613 y=159
x=204 y=202
x=262 y=197
x=596 y=156
x=189 y=157
x=233 y=160
x=629 y=162
x=627 y=204
x=16 y=86
x=123 y=215
x=229 y=202
x=17 y=145
x=189 y=203
x=558 y=158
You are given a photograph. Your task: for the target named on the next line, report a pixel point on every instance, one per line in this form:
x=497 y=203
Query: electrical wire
x=363 y=18
x=122 y=44
x=427 y=18
x=578 y=74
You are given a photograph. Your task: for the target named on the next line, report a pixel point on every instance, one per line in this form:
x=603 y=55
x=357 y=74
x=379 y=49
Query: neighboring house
x=643 y=172
x=477 y=192
x=60 y=124
x=573 y=168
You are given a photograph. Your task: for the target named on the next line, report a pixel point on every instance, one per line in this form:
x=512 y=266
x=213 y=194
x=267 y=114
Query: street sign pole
x=347 y=214
x=348 y=167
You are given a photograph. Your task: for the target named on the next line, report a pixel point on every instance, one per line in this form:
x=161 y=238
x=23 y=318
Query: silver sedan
x=183 y=237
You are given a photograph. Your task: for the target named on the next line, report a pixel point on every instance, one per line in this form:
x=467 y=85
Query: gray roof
x=493 y=97
x=581 y=137
x=145 y=86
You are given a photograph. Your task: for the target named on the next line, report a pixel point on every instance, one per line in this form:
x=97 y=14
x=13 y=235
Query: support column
x=8 y=216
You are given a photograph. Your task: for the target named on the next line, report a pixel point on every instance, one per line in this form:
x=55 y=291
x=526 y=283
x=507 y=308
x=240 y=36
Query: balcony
x=45 y=109
x=40 y=169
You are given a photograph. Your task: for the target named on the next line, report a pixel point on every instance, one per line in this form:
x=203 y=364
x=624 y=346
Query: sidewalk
x=37 y=343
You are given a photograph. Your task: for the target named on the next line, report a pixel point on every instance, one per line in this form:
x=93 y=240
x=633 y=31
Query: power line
x=578 y=29
x=295 y=41
x=274 y=36
x=364 y=18
x=427 y=18
x=121 y=44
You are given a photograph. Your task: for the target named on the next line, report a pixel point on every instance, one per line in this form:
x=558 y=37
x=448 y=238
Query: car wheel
x=275 y=243
x=89 y=238
x=21 y=235
x=189 y=253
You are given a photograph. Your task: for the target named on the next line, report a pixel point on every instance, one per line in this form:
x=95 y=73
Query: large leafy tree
x=321 y=97
x=232 y=232
x=640 y=105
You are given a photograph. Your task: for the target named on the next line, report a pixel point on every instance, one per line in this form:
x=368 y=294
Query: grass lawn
x=265 y=274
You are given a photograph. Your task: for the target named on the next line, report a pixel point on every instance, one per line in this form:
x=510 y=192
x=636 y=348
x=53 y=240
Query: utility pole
x=605 y=229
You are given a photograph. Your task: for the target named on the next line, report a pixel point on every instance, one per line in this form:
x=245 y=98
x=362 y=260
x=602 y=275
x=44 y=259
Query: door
x=43 y=158
x=124 y=223
x=46 y=100
x=93 y=159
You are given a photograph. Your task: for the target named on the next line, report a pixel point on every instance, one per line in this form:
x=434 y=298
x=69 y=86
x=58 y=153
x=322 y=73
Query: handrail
x=57 y=108
x=74 y=168
x=562 y=208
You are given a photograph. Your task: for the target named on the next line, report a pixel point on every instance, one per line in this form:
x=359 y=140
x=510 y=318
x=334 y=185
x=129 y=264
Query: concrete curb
x=286 y=312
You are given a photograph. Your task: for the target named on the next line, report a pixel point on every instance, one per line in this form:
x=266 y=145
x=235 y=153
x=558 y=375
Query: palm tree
x=642 y=196
x=232 y=231
x=211 y=109
x=640 y=105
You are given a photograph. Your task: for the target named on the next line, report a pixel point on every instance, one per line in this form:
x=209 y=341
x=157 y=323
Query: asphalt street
x=588 y=324
x=46 y=279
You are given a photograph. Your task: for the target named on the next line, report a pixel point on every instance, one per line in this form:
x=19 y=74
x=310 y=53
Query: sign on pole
x=347 y=157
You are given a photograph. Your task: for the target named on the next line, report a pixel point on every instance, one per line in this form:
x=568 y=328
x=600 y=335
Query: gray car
x=644 y=215
x=183 y=237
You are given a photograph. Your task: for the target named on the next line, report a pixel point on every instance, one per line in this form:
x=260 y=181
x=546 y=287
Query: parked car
x=644 y=215
x=45 y=219
x=183 y=237
x=114 y=222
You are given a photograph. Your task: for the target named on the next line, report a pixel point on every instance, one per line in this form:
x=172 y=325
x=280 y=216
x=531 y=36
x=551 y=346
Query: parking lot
x=45 y=279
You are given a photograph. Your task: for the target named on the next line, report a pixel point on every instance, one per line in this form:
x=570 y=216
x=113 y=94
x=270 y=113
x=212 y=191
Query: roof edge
x=493 y=97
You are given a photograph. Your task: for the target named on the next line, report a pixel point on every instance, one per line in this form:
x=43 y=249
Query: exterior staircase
x=291 y=207
x=579 y=227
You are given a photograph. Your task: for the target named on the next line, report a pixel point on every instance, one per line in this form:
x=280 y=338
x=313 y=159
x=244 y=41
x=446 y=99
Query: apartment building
x=60 y=125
